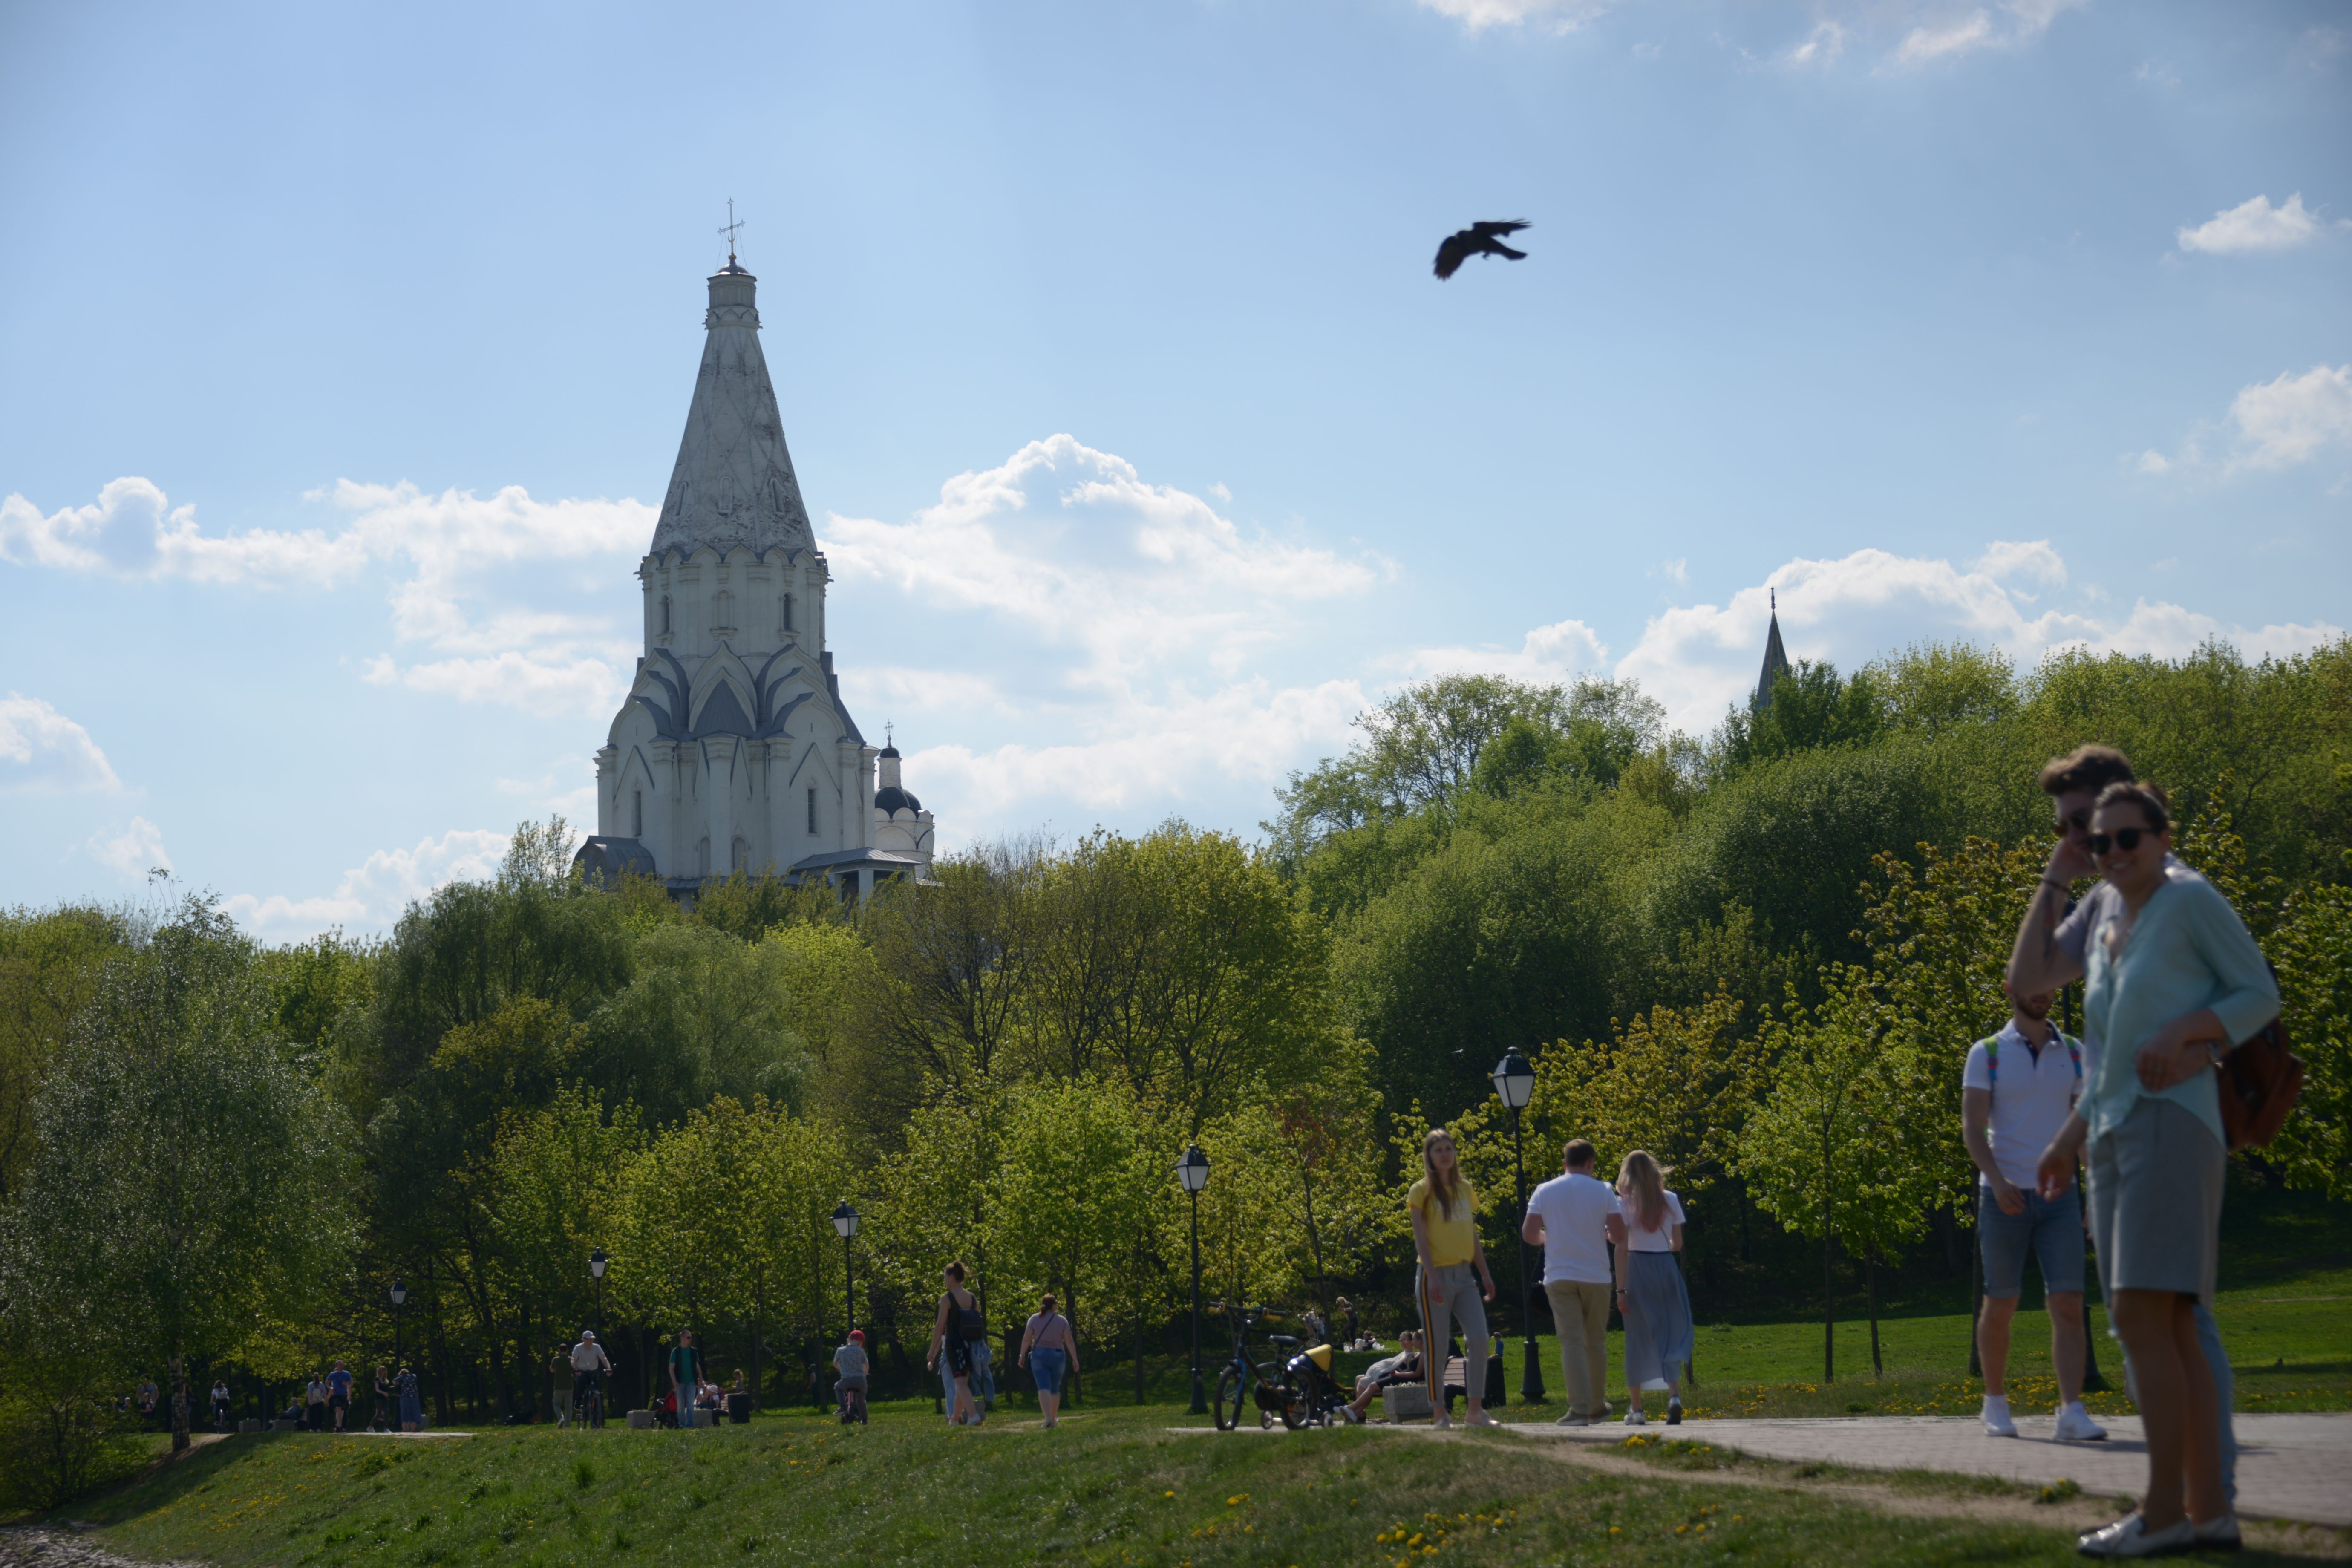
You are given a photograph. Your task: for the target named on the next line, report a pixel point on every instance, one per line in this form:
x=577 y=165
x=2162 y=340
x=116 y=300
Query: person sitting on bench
x=1403 y=1367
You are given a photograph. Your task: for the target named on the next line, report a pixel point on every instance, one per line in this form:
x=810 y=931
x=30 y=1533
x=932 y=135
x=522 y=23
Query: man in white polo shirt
x=1575 y=1217
x=2015 y=1094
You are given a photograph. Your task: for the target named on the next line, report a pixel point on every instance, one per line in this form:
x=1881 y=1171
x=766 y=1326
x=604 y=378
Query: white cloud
x=1069 y=547
x=43 y=750
x=374 y=893
x=1943 y=32
x=135 y=851
x=1558 y=15
x=2255 y=226
x=2292 y=419
x=465 y=570
x=1678 y=570
x=1700 y=659
x=2152 y=462
x=1822 y=47
x=2037 y=559
x=1550 y=655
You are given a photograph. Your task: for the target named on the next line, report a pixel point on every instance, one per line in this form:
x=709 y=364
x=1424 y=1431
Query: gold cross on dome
x=729 y=231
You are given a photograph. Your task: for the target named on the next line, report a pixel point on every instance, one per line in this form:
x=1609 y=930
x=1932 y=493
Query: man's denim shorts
x=2051 y=1228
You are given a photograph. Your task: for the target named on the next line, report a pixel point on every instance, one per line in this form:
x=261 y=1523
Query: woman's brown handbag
x=2259 y=1082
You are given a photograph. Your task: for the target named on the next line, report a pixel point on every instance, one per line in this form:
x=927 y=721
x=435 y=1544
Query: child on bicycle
x=850 y=1362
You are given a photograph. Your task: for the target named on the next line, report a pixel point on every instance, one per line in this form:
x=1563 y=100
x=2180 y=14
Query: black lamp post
x=845 y=1226
x=1515 y=1082
x=1192 y=1170
x=596 y=1261
x=399 y=1297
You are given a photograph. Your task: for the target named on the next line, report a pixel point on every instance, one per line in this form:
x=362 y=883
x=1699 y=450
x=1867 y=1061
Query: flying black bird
x=1478 y=240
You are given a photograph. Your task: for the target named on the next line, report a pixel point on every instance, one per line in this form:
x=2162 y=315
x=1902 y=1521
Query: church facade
x=733 y=751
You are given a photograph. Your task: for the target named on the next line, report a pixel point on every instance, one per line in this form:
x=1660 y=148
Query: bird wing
x=1496 y=230
x=1452 y=254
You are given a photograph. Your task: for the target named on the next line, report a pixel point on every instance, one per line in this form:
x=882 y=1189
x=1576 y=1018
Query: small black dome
x=889 y=752
x=894 y=799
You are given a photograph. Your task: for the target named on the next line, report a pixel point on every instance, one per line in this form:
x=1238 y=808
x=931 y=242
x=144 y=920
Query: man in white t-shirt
x=1571 y=1216
x=2016 y=1092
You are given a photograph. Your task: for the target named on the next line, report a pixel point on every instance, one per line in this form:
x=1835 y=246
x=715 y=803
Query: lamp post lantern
x=1514 y=1085
x=399 y=1298
x=1192 y=1170
x=845 y=1224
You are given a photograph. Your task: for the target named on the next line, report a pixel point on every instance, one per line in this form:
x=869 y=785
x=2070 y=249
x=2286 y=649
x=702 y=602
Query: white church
x=734 y=751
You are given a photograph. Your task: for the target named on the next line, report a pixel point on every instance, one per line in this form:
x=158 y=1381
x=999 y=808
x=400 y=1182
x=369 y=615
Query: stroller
x=1309 y=1372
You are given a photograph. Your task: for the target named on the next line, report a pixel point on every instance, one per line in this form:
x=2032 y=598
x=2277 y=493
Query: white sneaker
x=2075 y=1425
x=2221 y=1533
x=2130 y=1537
x=1996 y=1422
x=1634 y=1417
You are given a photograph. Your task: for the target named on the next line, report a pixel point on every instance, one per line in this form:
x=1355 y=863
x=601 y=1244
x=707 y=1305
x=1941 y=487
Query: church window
x=665 y=614
x=703 y=856
x=812 y=808
x=788 y=612
x=742 y=857
x=723 y=606
x=637 y=814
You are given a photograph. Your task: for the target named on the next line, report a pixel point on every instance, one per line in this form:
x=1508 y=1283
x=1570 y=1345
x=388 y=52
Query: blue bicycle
x=1272 y=1386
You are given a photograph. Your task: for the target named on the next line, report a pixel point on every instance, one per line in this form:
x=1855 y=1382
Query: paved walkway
x=2289 y=1466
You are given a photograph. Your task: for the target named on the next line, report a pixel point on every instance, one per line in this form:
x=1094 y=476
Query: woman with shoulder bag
x=951 y=1337
x=2172 y=981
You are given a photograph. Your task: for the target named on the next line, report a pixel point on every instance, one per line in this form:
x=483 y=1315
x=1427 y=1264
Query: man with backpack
x=2015 y=1094
x=685 y=1373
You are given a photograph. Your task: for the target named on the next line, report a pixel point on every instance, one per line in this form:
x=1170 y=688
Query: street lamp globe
x=596 y=1261
x=844 y=1221
x=1515 y=1081
x=399 y=1292
x=1192 y=1170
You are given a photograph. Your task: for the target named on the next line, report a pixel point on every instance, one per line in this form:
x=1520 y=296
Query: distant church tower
x=1776 y=660
x=733 y=751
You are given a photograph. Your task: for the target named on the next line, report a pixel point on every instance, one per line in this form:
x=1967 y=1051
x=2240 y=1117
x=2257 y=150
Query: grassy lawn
x=2290 y=1341
x=1111 y=1489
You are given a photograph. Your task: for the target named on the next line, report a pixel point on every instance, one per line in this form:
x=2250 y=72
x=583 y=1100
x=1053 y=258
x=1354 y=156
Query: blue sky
x=345 y=347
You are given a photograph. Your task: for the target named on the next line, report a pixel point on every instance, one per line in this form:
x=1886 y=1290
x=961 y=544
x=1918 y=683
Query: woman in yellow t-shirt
x=1445 y=1209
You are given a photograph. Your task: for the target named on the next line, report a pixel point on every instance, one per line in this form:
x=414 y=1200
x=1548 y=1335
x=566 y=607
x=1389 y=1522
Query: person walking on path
x=1050 y=1351
x=2016 y=1092
x=315 y=1404
x=1651 y=1296
x=1568 y=1217
x=2051 y=950
x=339 y=1394
x=1449 y=1274
x=411 y=1410
x=384 y=1421
x=957 y=1324
x=686 y=1374
x=2173 y=981
x=220 y=1405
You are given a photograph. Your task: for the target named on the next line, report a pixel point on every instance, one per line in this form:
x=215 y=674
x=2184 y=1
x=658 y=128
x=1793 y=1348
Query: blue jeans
x=2051 y=1228
x=1047 y=1366
x=983 y=1376
x=2225 y=1394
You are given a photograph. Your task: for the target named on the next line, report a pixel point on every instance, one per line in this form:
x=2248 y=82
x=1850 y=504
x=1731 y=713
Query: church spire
x=733 y=485
x=1775 y=660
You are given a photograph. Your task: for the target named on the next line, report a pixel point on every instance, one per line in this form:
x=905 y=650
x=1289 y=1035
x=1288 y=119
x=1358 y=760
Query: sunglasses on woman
x=2121 y=838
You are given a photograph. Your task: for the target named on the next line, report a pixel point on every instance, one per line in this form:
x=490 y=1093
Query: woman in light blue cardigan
x=2172 y=981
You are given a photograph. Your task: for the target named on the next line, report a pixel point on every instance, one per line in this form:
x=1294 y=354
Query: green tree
x=1833 y=1151
x=187 y=1181
x=1076 y=1208
x=49 y=965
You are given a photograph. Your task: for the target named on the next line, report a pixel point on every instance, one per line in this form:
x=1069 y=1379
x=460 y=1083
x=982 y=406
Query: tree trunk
x=1870 y=1274
x=1829 y=1279
x=179 y=1365
x=1315 y=1242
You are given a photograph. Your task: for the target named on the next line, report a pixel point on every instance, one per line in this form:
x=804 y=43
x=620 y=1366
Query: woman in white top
x=1648 y=1232
x=1050 y=1351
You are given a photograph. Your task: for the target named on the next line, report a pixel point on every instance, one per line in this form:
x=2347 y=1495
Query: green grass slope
x=1110 y=1490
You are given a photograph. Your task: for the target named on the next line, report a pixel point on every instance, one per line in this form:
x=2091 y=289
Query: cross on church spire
x=730 y=231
